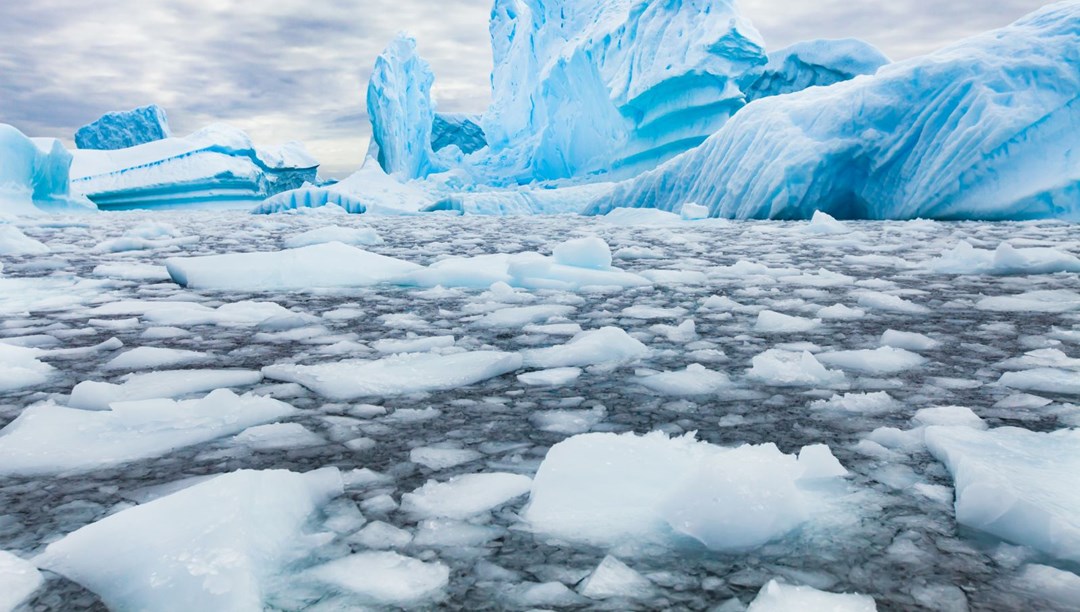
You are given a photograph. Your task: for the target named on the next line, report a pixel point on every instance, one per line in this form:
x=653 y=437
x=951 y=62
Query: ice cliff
x=124 y=129
x=984 y=129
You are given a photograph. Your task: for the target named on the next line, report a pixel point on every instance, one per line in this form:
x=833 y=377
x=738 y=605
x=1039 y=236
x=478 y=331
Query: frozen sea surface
x=865 y=333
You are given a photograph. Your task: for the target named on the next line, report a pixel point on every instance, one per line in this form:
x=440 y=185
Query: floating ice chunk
x=839 y=312
x=604 y=488
x=442 y=458
x=793 y=369
x=568 y=422
x=18 y=580
x=694 y=212
x=149 y=357
x=413 y=345
x=49 y=439
x=237 y=314
x=1045 y=380
x=555 y=377
x=769 y=322
x=397 y=375
x=384 y=578
x=465 y=496
x=951 y=416
x=1033 y=301
x=218 y=545
x=908 y=340
x=1050 y=583
x=591 y=252
x=1016 y=484
x=638 y=252
x=890 y=303
x=381 y=536
x=824 y=224
x=720 y=303
x=866 y=403
x=20 y=368
x=546 y=595
x=683 y=332
x=320 y=266
x=90 y=395
x=278 y=436
x=817 y=461
x=601 y=346
x=776 y=597
x=653 y=313
x=523 y=270
x=133 y=272
x=14 y=243
x=521 y=316
x=1006 y=260
x=448 y=533
x=356 y=236
x=613 y=578
x=696 y=379
x=885 y=360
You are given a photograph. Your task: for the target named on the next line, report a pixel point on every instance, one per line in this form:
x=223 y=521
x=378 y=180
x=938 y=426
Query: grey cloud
x=297 y=69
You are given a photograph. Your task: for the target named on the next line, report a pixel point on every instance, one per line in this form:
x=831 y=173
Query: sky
x=297 y=69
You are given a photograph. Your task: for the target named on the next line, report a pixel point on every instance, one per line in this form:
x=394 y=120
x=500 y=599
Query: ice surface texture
x=983 y=129
x=461 y=131
x=124 y=129
x=218 y=164
x=813 y=63
x=34 y=173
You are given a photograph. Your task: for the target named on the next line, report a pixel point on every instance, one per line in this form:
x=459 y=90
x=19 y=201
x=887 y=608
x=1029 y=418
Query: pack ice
x=605 y=488
x=982 y=129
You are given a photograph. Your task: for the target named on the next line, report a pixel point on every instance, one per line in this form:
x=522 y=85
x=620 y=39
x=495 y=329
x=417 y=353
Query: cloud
x=297 y=69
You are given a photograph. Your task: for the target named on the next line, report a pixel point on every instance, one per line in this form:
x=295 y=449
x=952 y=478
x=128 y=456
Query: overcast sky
x=297 y=69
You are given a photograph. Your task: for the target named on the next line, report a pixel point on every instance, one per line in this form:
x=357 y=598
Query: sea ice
x=220 y=545
x=776 y=597
x=14 y=243
x=18 y=580
x=356 y=236
x=613 y=578
x=885 y=360
x=150 y=357
x=20 y=368
x=696 y=379
x=92 y=395
x=465 y=496
x=793 y=369
x=601 y=346
x=383 y=578
x=1006 y=260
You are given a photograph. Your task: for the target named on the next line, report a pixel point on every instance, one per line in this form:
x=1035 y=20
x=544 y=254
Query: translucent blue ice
x=124 y=129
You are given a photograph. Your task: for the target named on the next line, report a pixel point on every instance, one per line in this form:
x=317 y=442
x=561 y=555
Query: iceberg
x=983 y=129
x=125 y=129
x=34 y=175
x=813 y=63
x=582 y=87
x=399 y=104
x=216 y=165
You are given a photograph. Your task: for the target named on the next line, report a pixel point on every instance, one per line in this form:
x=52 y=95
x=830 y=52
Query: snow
x=34 y=176
x=51 y=439
x=355 y=236
x=399 y=104
x=604 y=488
x=812 y=63
x=124 y=129
x=980 y=129
x=92 y=395
x=18 y=580
x=777 y=597
x=320 y=266
x=1003 y=261
x=397 y=375
x=218 y=165
x=465 y=496
x=218 y=545
x=1015 y=484
x=383 y=578
x=608 y=345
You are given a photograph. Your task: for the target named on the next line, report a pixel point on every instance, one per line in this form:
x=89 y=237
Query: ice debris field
x=321 y=411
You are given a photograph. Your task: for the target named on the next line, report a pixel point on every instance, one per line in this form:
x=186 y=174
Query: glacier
x=34 y=175
x=216 y=165
x=983 y=129
x=125 y=129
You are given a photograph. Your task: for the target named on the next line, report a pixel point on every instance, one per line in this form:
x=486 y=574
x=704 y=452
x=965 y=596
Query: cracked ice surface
x=747 y=333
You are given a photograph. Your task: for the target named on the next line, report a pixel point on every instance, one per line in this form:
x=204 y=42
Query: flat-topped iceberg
x=216 y=165
x=983 y=129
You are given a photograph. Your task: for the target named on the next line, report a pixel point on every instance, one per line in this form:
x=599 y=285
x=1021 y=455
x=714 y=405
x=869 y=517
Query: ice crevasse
x=983 y=129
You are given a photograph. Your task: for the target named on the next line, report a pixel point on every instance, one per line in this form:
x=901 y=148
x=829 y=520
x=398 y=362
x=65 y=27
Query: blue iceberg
x=402 y=118
x=34 y=175
x=987 y=129
x=124 y=129
x=218 y=165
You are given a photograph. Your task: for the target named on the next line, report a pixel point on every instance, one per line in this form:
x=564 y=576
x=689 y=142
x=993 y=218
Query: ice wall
x=33 y=174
